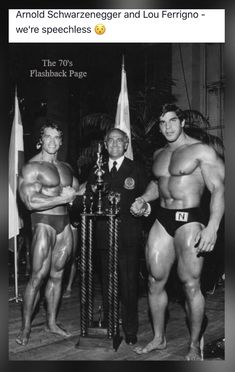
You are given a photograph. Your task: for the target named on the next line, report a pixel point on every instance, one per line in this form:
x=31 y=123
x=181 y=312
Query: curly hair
x=51 y=125
x=167 y=107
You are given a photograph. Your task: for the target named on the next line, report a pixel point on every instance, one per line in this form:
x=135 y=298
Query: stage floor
x=45 y=346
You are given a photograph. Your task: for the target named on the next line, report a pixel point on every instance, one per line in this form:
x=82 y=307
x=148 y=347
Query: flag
x=122 y=120
x=16 y=156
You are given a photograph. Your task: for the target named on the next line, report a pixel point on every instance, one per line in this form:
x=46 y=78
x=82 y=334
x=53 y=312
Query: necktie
x=113 y=170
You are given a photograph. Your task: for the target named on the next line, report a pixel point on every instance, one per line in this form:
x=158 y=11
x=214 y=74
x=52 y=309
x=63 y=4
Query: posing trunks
x=172 y=219
x=56 y=221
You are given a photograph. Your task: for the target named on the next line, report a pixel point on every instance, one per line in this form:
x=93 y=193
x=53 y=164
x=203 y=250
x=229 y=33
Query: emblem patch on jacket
x=129 y=183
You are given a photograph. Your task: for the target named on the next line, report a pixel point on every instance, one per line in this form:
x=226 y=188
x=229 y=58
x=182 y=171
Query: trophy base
x=98 y=339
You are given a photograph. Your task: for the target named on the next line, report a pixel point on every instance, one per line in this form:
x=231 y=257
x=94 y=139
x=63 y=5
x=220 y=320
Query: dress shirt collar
x=118 y=161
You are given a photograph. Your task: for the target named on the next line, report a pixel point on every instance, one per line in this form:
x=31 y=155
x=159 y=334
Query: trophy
x=100 y=187
x=114 y=202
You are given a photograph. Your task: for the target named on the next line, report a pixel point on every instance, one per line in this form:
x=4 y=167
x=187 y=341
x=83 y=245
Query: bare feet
x=151 y=346
x=194 y=353
x=23 y=337
x=57 y=330
x=67 y=293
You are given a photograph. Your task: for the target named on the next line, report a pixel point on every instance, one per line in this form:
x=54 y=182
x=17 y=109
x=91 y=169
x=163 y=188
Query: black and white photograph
x=116 y=202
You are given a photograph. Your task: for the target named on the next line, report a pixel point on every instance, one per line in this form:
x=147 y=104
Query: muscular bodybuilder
x=181 y=169
x=46 y=186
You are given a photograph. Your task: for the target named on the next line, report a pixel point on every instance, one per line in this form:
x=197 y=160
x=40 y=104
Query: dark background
x=68 y=101
x=227 y=365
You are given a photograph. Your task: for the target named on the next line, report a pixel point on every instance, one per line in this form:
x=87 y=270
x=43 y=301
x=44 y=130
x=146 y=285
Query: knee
x=154 y=285
x=191 y=288
x=56 y=276
x=36 y=280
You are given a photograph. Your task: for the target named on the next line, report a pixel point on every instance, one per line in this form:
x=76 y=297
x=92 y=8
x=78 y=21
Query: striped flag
x=122 y=120
x=16 y=157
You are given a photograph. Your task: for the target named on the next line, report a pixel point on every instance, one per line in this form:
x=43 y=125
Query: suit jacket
x=130 y=181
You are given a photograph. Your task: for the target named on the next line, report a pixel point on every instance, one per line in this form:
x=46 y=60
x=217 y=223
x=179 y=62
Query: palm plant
x=145 y=103
x=93 y=128
x=197 y=126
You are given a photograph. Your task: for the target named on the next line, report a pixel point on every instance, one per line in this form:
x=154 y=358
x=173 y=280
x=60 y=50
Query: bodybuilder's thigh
x=43 y=240
x=160 y=252
x=62 y=249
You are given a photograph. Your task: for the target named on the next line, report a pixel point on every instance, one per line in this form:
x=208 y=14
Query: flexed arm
x=80 y=188
x=31 y=191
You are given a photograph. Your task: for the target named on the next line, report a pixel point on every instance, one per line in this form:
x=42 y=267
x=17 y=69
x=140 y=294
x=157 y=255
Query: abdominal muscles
x=180 y=191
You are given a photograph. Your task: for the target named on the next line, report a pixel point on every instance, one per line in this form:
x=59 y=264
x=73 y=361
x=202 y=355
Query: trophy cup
x=114 y=202
x=100 y=187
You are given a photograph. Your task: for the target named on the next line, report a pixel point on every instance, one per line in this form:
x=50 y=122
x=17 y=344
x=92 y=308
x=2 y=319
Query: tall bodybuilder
x=46 y=186
x=181 y=169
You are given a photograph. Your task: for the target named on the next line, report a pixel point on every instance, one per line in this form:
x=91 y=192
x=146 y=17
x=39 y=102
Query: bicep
x=27 y=190
x=212 y=168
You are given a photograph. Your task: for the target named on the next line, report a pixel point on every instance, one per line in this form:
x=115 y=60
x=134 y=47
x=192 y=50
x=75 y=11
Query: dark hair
x=126 y=138
x=172 y=107
x=52 y=126
x=48 y=124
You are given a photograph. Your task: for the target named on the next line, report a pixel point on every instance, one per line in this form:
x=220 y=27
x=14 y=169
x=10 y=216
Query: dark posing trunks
x=56 y=221
x=172 y=219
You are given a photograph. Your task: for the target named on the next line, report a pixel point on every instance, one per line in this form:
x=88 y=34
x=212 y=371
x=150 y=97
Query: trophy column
x=113 y=298
x=89 y=216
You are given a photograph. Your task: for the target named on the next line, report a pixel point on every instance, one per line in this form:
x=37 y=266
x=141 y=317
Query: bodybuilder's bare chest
x=177 y=163
x=51 y=175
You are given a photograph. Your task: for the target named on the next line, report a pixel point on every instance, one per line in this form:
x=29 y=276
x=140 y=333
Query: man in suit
x=128 y=178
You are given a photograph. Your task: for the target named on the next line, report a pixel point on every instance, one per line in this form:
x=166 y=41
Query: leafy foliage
x=146 y=137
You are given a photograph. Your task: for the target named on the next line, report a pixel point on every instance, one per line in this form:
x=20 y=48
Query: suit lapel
x=122 y=173
x=124 y=169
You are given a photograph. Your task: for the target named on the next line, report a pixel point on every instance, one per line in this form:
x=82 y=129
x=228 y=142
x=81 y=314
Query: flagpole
x=17 y=298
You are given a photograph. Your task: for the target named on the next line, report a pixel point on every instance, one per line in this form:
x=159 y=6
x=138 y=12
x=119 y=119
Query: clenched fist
x=139 y=207
x=68 y=193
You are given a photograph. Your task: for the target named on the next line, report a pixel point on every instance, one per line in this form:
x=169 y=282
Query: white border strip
x=122 y=25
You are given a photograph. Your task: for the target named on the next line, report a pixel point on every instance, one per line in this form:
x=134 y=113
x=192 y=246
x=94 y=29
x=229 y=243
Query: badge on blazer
x=129 y=183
